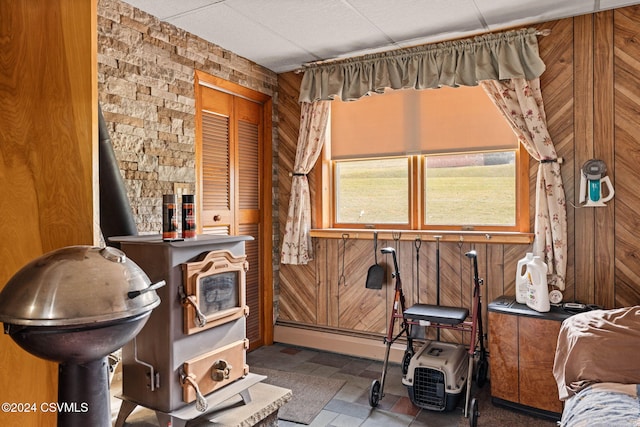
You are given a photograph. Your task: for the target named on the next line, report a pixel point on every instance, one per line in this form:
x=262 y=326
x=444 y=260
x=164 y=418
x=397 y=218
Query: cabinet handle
x=217 y=218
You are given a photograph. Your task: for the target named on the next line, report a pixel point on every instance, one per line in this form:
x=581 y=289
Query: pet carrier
x=437 y=375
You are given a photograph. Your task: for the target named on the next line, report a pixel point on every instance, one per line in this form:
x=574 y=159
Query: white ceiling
x=283 y=34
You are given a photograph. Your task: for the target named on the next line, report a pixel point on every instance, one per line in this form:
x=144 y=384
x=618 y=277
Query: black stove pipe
x=116 y=216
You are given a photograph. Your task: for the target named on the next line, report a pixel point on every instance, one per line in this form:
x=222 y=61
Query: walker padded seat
x=436 y=314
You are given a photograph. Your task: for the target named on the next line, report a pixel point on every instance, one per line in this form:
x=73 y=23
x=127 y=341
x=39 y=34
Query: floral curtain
x=520 y=101
x=296 y=244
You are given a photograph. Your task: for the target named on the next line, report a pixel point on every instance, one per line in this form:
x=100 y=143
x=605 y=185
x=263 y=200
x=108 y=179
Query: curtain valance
x=501 y=56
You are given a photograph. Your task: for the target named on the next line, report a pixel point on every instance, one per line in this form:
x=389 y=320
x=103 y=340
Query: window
x=470 y=190
x=432 y=159
x=356 y=180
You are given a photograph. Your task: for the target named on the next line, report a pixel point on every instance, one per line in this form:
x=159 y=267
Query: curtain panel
x=296 y=243
x=502 y=56
x=520 y=102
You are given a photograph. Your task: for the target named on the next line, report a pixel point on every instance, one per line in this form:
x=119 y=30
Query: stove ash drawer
x=212 y=371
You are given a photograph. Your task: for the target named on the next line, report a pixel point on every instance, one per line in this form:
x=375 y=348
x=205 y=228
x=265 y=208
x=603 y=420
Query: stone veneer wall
x=145 y=87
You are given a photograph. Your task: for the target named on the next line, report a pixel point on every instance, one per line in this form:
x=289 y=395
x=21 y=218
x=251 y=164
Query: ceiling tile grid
x=281 y=35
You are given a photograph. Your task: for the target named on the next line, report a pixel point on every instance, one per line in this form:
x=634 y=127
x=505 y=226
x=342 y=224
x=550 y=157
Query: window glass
x=433 y=159
x=372 y=191
x=470 y=189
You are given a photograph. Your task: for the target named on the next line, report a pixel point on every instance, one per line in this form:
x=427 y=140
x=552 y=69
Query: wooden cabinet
x=522 y=346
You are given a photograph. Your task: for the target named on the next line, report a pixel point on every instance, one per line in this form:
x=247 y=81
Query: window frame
x=325 y=217
x=411 y=197
x=522 y=223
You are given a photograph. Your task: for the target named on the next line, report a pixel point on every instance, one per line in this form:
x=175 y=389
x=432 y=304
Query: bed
x=597 y=368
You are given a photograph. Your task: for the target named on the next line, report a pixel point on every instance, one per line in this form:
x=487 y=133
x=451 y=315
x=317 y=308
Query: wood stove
x=191 y=354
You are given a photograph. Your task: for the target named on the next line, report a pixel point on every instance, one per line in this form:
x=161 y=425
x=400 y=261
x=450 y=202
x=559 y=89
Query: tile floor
x=350 y=406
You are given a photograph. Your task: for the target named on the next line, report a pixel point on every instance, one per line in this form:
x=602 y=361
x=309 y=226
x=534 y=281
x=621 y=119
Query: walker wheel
x=374 y=393
x=474 y=413
x=406 y=360
x=481 y=372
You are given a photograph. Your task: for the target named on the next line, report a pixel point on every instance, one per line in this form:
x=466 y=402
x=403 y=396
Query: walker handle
x=473 y=255
x=390 y=250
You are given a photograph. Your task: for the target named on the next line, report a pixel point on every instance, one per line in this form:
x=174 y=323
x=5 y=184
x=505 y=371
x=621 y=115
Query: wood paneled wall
x=48 y=136
x=592 y=98
x=624 y=134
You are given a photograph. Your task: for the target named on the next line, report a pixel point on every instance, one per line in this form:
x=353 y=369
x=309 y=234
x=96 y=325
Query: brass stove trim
x=203 y=370
x=212 y=263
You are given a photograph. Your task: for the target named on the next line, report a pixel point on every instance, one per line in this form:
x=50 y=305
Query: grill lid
x=77 y=286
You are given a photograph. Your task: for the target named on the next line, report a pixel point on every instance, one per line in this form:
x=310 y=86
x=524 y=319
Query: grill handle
x=133 y=294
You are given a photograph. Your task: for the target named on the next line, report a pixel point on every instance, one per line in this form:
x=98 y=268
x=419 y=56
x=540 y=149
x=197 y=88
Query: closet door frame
x=265 y=228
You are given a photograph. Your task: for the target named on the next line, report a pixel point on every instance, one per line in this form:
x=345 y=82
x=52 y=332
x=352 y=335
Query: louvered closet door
x=250 y=130
x=217 y=181
x=232 y=132
x=248 y=115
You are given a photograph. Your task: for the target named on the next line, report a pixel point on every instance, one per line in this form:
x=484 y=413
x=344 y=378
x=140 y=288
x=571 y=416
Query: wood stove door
x=215 y=369
x=214 y=291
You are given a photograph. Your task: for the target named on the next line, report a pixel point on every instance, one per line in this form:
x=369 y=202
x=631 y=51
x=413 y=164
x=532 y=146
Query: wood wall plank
x=583 y=124
x=603 y=133
x=298 y=293
x=584 y=56
x=627 y=156
x=48 y=141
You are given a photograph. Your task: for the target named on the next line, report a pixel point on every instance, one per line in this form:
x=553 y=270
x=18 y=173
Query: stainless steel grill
x=74 y=306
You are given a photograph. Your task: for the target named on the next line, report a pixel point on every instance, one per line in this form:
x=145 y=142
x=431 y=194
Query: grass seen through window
x=464 y=190
x=373 y=191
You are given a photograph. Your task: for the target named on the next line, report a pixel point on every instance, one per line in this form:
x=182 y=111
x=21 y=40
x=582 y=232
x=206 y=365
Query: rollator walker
x=435 y=375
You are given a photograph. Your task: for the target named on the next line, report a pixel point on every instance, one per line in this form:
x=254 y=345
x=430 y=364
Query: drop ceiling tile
x=418 y=19
x=500 y=14
x=325 y=29
x=233 y=31
x=610 y=4
x=166 y=9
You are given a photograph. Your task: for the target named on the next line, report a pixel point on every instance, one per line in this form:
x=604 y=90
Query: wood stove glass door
x=218 y=293
x=215 y=291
